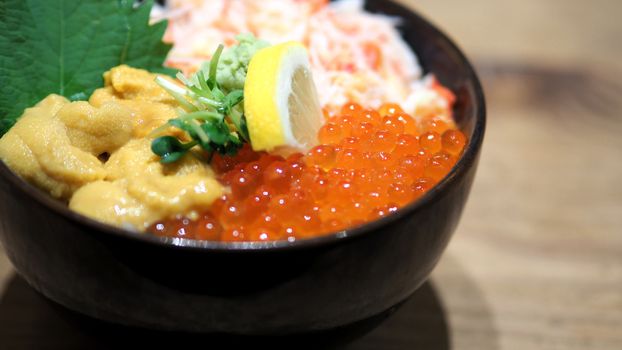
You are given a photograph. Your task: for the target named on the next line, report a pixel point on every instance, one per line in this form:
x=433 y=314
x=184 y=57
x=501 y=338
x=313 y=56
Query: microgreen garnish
x=170 y=149
x=211 y=117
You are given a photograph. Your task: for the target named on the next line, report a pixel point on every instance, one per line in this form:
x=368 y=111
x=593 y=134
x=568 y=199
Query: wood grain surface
x=536 y=262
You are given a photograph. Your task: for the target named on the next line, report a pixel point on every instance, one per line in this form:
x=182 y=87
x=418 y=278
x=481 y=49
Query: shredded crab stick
x=355 y=56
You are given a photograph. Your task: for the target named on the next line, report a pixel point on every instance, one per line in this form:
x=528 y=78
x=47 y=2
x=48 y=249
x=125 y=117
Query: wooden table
x=536 y=262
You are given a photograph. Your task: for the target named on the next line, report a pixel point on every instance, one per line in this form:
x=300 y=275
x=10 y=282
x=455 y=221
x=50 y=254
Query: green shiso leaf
x=64 y=47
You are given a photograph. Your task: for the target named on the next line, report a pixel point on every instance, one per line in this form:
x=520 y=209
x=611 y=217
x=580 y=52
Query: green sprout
x=211 y=117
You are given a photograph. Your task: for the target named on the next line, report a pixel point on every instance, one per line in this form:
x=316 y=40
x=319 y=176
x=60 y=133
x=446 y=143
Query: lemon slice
x=280 y=99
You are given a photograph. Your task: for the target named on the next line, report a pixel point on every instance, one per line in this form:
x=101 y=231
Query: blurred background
x=536 y=262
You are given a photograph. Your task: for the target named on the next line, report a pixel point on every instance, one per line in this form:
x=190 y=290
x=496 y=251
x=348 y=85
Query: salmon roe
x=369 y=163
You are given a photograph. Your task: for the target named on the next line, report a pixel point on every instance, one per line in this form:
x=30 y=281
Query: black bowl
x=278 y=288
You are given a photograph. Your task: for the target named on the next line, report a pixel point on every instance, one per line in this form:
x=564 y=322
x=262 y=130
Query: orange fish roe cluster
x=369 y=163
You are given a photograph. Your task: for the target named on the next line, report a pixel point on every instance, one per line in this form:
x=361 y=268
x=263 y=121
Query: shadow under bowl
x=277 y=288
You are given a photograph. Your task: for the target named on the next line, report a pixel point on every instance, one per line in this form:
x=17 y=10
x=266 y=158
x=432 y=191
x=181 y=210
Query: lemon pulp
x=280 y=99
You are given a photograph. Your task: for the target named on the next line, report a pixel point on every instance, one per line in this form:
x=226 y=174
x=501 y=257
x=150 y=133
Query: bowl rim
x=468 y=157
